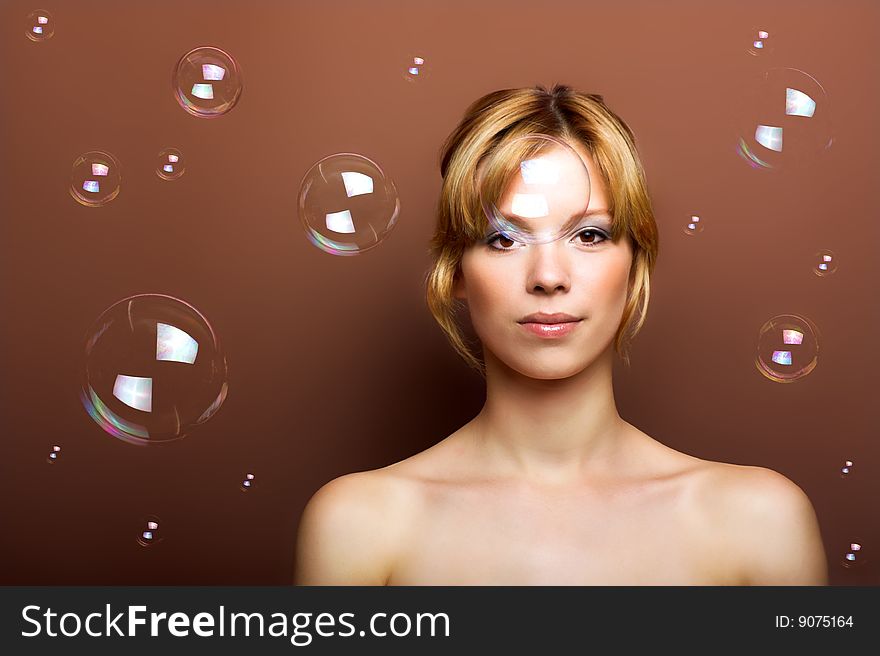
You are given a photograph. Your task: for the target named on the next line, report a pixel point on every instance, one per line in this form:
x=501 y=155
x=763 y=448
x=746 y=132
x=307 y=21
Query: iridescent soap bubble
x=347 y=204
x=248 y=482
x=693 y=225
x=170 y=164
x=39 y=25
x=54 y=455
x=855 y=555
x=207 y=82
x=534 y=189
x=786 y=120
x=847 y=468
x=761 y=43
x=825 y=263
x=149 y=533
x=416 y=69
x=788 y=348
x=154 y=370
x=95 y=178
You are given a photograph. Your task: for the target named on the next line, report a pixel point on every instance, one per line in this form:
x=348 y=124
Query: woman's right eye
x=506 y=243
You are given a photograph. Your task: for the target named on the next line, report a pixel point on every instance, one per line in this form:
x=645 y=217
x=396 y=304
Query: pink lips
x=550 y=330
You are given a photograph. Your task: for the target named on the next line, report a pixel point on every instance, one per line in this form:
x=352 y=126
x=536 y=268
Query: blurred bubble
x=154 y=370
x=825 y=263
x=347 y=204
x=786 y=120
x=788 y=348
x=170 y=164
x=855 y=555
x=416 y=69
x=95 y=178
x=693 y=226
x=39 y=25
x=760 y=43
x=207 y=82
x=54 y=455
x=534 y=189
x=847 y=468
x=247 y=483
x=149 y=533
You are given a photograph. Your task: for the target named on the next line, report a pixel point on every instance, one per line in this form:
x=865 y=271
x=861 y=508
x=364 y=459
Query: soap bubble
x=154 y=370
x=95 y=178
x=39 y=25
x=786 y=121
x=693 y=226
x=248 y=482
x=855 y=555
x=760 y=43
x=347 y=204
x=54 y=455
x=170 y=164
x=788 y=348
x=416 y=69
x=847 y=468
x=207 y=82
x=149 y=533
x=825 y=263
x=530 y=179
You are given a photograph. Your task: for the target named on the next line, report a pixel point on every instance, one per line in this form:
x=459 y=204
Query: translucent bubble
x=786 y=120
x=170 y=164
x=416 y=69
x=847 y=468
x=693 y=226
x=54 y=455
x=788 y=348
x=207 y=82
x=154 y=370
x=247 y=483
x=534 y=189
x=347 y=204
x=825 y=263
x=760 y=42
x=855 y=555
x=149 y=533
x=39 y=25
x=95 y=178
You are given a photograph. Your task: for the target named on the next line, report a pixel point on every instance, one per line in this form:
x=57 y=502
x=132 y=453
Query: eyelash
x=491 y=239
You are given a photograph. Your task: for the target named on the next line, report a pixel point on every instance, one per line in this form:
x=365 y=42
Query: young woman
x=548 y=485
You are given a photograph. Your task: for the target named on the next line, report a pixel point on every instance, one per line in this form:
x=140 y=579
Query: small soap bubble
x=95 y=178
x=54 y=455
x=788 y=348
x=207 y=82
x=693 y=225
x=39 y=25
x=855 y=555
x=149 y=533
x=347 y=204
x=247 y=483
x=534 y=189
x=154 y=370
x=170 y=164
x=847 y=468
x=416 y=69
x=760 y=42
x=825 y=263
x=785 y=121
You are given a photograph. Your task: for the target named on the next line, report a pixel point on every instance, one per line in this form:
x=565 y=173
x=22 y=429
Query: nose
x=548 y=268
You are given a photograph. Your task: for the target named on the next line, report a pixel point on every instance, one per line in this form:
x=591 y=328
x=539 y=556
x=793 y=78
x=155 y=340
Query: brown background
x=374 y=380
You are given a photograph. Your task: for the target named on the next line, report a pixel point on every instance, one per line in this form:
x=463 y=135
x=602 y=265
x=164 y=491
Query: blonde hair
x=490 y=123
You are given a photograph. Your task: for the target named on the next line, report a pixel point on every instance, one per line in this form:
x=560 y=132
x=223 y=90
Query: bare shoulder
x=765 y=523
x=351 y=530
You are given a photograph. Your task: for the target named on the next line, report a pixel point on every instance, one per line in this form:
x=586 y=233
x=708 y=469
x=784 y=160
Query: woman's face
x=584 y=274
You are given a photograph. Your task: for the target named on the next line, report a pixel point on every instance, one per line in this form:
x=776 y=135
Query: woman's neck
x=550 y=432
